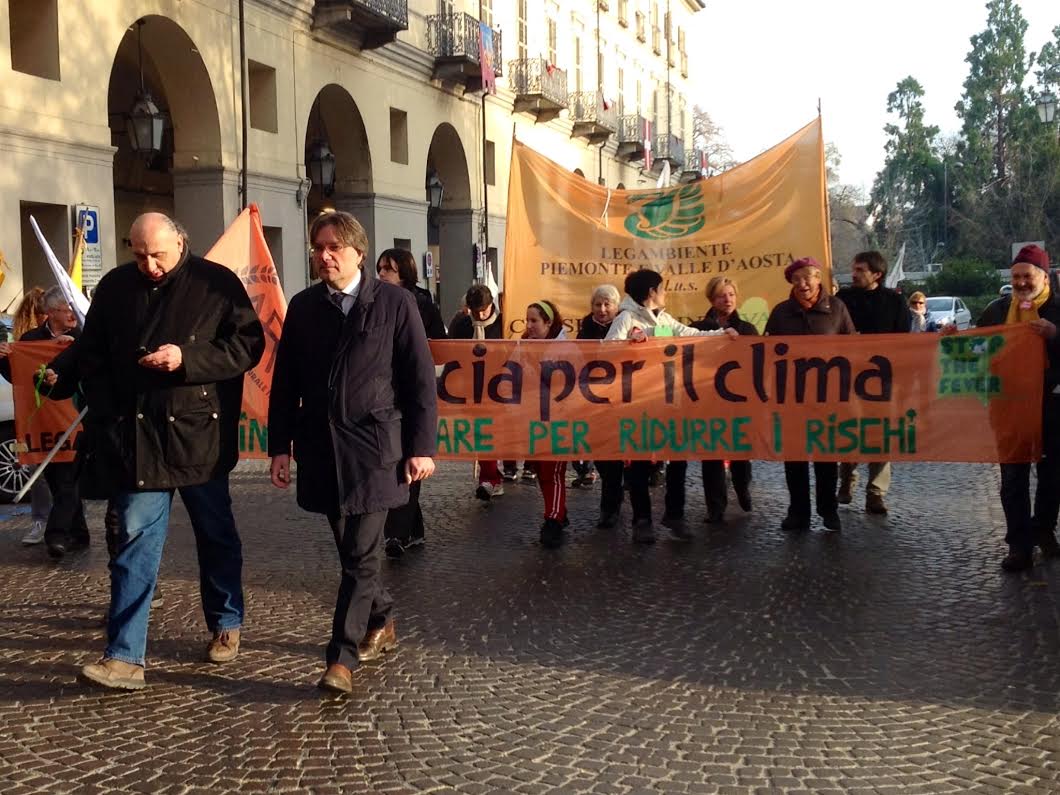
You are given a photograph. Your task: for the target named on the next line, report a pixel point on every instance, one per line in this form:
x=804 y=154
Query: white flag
x=74 y=297
x=664 y=175
x=490 y=282
x=896 y=272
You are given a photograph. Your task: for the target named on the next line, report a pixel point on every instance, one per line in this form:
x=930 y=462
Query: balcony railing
x=453 y=40
x=695 y=165
x=669 y=147
x=540 y=87
x=631 y=130
x=372 y=23
x=591 y=119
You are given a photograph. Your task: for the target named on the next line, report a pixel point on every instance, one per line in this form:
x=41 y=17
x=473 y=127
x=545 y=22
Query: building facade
x=372 y=106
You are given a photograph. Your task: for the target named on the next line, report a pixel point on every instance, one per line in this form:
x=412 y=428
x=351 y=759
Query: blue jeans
x=144 y=517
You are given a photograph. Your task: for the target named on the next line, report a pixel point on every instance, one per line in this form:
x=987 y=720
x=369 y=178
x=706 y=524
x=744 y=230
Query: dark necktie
x=336 y=299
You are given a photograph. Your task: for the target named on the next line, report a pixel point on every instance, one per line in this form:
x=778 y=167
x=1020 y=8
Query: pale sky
x=762 y=64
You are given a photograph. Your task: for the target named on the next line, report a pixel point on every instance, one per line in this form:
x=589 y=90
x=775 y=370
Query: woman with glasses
x=404 y=525
x=918 y=309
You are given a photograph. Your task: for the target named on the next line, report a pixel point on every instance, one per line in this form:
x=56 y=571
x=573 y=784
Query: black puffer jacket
x=429 y=314
x=879 y=311
x=163 y=430
x=710 y=323
x=591 y=330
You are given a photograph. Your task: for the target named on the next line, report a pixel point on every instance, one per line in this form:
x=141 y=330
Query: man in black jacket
x=67 y=530
x=354 y=394
x=875 y=309
x=161 y=362
x=1034 y=301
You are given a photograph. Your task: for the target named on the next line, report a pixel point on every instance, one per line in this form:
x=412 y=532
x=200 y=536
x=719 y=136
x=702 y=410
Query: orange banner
x=39 y=422
x=242 y=248
x=974 y=396
x=567 y=235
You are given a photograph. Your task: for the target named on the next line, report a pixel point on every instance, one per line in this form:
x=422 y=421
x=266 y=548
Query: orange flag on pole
x=242 y=248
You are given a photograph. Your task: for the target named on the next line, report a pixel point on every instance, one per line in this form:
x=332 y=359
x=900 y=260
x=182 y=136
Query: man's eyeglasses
x=331 y=248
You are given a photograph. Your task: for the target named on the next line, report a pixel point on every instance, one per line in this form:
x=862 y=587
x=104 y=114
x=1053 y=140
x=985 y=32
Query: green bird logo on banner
x=667 y=214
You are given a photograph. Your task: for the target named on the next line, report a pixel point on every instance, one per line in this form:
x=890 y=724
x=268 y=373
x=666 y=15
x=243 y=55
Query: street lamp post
x=1047 y=109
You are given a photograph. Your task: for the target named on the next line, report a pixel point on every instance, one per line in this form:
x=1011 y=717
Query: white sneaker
x=35 y=535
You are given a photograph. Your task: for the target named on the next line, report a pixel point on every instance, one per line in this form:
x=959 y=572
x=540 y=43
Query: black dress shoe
x=1046 y=542
x=1017 y=561
x=743 y=497
x=552 y=534
x=57 y=550
x=677 y=526
x=793 y=522
x=715 y=517
x=831 y=521
x=607 y=520
x=394 y=548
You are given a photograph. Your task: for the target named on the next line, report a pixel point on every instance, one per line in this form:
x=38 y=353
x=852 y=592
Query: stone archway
x=451 y=230
x=186 y=179
x=334 y=119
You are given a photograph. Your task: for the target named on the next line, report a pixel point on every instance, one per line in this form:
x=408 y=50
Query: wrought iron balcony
x=631 y=134
x=453 y=40
x=540 y=87
x=371 y=23
x=669 y=147
x=695 y=165
x=592 y=120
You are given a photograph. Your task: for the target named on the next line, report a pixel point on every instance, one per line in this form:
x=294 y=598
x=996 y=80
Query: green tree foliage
x=848 y=217
x=964 y=277
x=998 y=182
x=1008 y=173
x=907 y=200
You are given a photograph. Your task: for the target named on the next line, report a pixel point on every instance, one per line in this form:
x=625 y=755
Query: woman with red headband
x=543 y=322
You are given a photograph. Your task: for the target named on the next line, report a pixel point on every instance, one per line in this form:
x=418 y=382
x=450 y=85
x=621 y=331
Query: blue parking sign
x=88 y=220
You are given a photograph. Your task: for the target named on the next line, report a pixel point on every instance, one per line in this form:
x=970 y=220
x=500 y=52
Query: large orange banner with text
x=974 y=396
x=567 y=235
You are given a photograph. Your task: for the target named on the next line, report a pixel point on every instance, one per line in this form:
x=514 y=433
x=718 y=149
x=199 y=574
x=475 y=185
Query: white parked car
x=13 y=475
x=945 y=309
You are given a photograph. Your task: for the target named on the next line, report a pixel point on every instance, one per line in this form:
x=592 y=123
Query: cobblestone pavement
x=893 y=657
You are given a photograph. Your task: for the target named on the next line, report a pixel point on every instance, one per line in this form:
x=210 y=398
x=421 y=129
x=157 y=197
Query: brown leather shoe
x=224 y=647
x=114 y=674
x=376 y=642
x=874 y=504
x=337 y=678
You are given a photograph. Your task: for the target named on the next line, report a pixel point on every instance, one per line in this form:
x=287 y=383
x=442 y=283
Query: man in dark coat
x=66 y=530
x=354 y=393
x=1033 y=301
x=875 y=309
x=161 y=362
